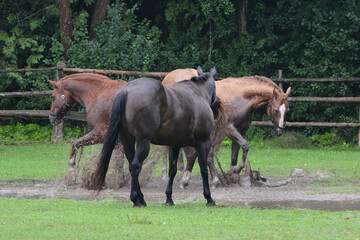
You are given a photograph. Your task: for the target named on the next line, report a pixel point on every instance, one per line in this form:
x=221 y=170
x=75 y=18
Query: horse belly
x=173 y=134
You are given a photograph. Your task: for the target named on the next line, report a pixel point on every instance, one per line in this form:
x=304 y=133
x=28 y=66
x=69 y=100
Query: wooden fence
x=60 y=69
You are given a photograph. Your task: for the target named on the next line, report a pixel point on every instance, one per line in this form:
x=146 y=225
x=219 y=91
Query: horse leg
x=181 y=162
x=203 y=151
x=89 y=139
x=119 y=163
x=142 y=151
x=164 y=168
x=173 y=157
x=213 y=173
x=191 y=156
x=238 y=140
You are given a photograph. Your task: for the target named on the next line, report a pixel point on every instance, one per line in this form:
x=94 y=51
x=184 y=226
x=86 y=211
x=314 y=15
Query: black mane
x=200 y=79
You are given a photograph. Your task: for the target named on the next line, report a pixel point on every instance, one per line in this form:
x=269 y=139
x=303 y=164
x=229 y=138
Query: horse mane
x=102 y=80
x=268 y=81
x=200 y=79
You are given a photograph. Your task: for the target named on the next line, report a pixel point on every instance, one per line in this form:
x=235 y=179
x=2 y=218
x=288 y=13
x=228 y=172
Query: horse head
x=62 y=102
x=277 y=109
x=209 y=80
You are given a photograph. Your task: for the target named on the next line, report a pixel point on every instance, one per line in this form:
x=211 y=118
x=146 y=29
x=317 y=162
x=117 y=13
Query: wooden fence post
x=58 y=130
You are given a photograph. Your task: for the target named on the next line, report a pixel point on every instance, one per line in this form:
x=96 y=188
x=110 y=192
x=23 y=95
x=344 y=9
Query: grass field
x=69 y=219
x=109 y=219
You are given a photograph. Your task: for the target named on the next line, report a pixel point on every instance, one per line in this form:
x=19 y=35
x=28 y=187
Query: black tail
x=117 y=112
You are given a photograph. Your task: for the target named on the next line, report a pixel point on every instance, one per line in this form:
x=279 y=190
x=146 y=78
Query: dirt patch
x=293 y=194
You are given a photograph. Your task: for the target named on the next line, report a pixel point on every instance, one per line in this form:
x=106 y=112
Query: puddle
x=342 y=205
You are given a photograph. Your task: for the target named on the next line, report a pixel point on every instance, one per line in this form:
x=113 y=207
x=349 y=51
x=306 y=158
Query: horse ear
x=213 y=71
x=275 y=93
x=54 y=84
x=199 y=70
x=288 y=92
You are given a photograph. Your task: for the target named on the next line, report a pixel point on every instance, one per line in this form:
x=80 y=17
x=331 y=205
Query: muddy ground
x=293 y=194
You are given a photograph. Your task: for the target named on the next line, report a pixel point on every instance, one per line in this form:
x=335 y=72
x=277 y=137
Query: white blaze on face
x=282 y=115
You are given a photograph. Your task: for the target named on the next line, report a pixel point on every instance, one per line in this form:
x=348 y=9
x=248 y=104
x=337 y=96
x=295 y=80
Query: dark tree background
x=304 y=38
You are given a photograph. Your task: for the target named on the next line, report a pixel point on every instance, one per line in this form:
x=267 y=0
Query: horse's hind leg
x=203 y=151
x=213 y=173
x=180 y=164
x=191 y=156
x=142 y=151
x=164 y=168
x=173 y=157
x=238 y=140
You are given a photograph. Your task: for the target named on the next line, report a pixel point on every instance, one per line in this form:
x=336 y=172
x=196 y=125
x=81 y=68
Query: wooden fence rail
x=60 y=69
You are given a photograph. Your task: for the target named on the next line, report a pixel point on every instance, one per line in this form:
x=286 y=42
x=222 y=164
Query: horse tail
x=220 y=119
x=117 y=114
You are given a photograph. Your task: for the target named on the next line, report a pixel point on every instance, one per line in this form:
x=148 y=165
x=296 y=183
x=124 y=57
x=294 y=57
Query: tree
x=65 y=24
x=242 y=8
x=100 y=12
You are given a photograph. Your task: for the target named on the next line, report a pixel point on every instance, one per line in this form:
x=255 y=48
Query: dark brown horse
x=240 y=97
x=95 y=93
x=145 y=111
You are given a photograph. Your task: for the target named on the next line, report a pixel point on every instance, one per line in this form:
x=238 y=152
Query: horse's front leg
x=238 y=140
x=142 y=151
x=203 y=151
x=173 y=157
x=89 y=139
x=191 y=156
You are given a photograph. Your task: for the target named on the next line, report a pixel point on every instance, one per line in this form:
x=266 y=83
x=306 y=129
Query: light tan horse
x=240 y=97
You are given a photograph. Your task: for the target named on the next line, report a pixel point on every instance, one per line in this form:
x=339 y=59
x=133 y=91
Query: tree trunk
x=65 y=24
x=242 y=7
x=100 y=12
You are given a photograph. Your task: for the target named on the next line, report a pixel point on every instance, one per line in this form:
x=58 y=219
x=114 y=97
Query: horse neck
x=79 y=90
x=259 y=95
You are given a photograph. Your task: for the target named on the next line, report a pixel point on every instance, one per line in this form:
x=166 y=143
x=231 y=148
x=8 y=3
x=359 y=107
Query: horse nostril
x=278 y=132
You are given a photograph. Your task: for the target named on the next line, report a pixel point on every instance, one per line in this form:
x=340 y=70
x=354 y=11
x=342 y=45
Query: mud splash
x=255 y=197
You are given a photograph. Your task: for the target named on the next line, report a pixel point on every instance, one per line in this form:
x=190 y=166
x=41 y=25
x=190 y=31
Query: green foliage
x=121 y=42
x=303 y=38
x=35 y=133
x=28 y=132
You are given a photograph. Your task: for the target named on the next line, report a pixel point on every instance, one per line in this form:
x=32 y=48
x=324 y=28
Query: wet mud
x=292 y=195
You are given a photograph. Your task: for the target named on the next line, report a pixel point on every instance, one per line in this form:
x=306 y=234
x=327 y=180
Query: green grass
x=69 y=219
x=37 y=161
x=50 y=161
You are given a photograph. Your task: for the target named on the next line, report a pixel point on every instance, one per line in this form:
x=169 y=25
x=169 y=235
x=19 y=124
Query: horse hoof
x=139 y=204
x=71 y=176
x=143 y=203
x=169 y=202
x=211 y=203
x=184 y=183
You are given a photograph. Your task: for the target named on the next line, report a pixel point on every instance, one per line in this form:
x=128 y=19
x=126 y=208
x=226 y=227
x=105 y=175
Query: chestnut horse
x=240 y=97
x=146 y=111
x=95 y=93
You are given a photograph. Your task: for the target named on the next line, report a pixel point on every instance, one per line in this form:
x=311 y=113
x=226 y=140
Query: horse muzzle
x=279 y=131
x=54 y=120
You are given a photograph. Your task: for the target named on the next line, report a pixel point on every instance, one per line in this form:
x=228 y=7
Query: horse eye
x=53 y=98
x=276 y=109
